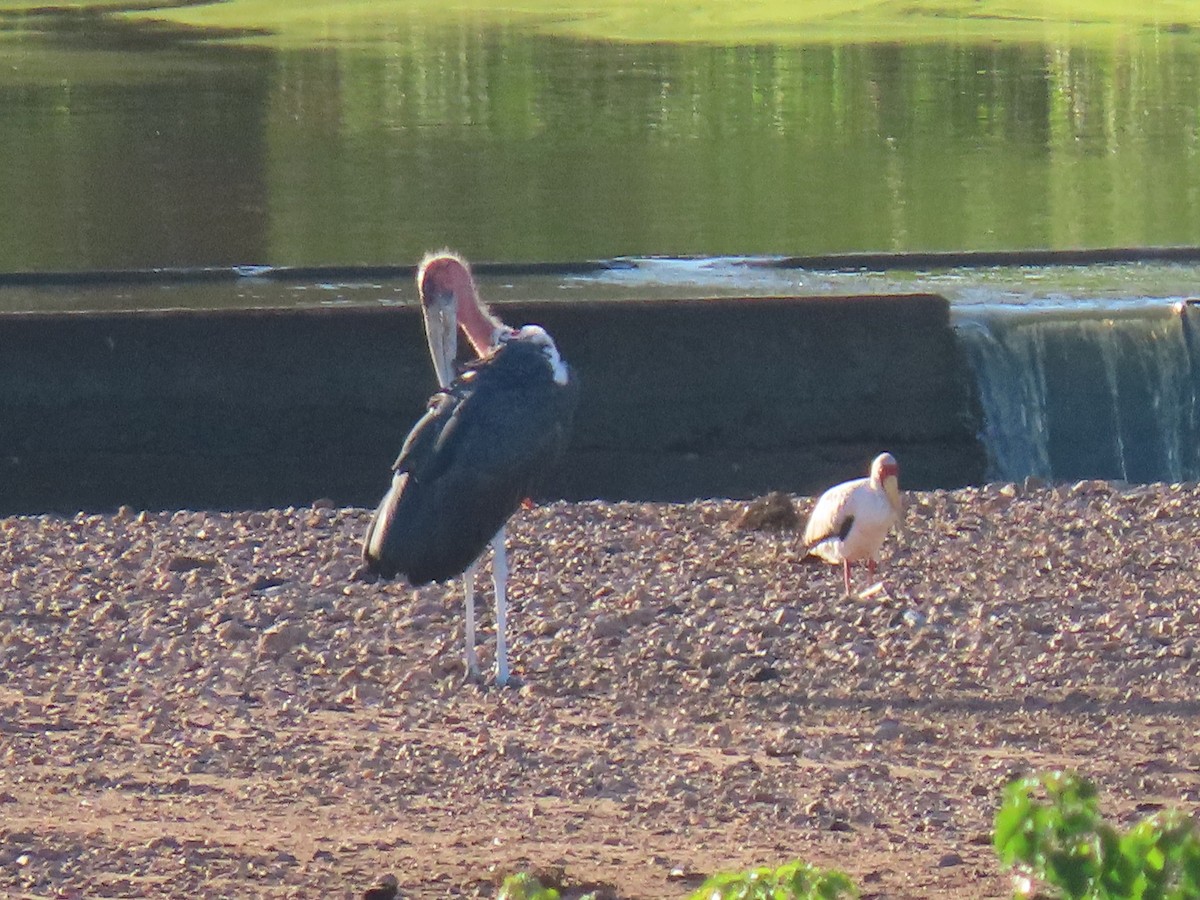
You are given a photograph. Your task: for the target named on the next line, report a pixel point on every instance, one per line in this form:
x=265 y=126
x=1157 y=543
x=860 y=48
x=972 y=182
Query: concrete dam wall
x=679 y=400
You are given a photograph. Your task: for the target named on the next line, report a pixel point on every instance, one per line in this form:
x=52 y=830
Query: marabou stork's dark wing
x=468 y=463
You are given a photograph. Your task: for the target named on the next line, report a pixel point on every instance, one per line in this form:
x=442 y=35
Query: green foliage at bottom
x=794 y=881
x=1063 y=842
x=1048 y=827
x=525 y=887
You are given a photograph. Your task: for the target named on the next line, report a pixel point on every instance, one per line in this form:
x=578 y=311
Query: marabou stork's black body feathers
x=468 y=463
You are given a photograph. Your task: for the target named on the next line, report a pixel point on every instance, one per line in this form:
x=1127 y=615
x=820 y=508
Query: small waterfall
x=1087 y=394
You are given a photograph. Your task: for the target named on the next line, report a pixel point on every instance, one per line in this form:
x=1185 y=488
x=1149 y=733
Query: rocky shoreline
x=210 y=703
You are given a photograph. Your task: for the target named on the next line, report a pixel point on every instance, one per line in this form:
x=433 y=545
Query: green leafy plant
x=794 y=881
x=1063 y=842
x=524 y=886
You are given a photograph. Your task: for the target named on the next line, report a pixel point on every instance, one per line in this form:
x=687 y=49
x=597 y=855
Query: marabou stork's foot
x=365 y=575
x=514 y=682
x=472 y=674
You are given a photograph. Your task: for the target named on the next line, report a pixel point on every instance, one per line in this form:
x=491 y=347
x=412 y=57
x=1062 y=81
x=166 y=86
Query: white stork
x=851 y=520
x=478 y=451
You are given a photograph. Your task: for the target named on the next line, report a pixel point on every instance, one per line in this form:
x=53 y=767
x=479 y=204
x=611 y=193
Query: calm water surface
x=130 y=147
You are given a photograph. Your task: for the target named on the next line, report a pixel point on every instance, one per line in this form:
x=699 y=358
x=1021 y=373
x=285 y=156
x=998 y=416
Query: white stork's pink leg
x=846 y=575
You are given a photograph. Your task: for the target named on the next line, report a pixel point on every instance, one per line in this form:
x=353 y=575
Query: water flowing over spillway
x=1071 y=394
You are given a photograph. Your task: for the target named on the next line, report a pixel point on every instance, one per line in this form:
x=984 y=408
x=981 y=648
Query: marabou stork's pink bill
x=471 y=460
x=850 y=520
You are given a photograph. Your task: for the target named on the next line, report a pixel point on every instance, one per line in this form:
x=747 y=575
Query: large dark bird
x=465 y=467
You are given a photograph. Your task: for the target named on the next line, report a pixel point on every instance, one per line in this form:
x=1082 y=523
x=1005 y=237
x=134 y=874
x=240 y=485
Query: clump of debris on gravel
x=209 y=704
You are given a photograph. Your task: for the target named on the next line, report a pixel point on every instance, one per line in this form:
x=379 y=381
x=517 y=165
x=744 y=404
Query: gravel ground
x=208 y=705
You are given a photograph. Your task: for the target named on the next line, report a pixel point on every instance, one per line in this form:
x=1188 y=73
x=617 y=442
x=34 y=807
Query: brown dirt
x=205 y=705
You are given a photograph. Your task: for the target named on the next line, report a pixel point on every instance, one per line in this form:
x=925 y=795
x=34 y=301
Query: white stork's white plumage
x=851 y=520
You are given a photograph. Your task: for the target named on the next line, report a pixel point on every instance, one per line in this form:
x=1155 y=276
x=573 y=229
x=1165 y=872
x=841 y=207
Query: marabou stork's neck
x=478 y=323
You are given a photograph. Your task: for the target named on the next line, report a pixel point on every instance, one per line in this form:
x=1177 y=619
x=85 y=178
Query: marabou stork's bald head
x=449 y=300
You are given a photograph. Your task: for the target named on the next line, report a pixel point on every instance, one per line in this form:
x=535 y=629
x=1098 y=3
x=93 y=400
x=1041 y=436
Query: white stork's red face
x=885 y=472
x=540 y=338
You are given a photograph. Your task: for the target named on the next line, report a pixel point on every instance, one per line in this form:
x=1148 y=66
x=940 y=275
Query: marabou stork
x=851 y=520
x=477 y=453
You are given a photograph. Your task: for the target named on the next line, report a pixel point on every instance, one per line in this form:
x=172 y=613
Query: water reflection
x=147 y=149
x=120 y=154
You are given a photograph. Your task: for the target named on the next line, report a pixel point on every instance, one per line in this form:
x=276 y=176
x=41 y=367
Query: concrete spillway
x=681 y=399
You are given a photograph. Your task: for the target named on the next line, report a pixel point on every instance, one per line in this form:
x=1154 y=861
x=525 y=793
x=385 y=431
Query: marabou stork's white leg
x=500 y=581
x=469 y=599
